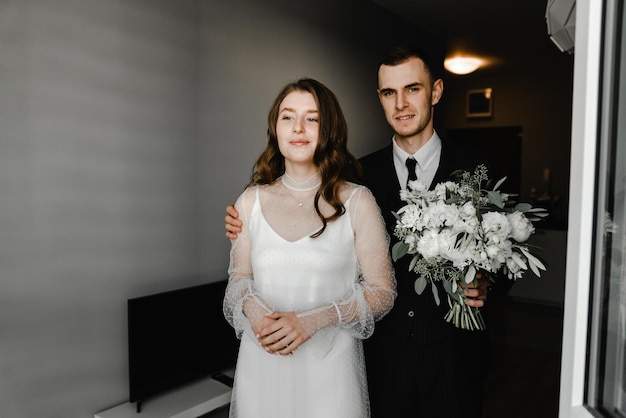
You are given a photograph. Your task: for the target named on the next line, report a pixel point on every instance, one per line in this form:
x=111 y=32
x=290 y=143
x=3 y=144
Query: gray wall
x=99 y=189
x=126 y=128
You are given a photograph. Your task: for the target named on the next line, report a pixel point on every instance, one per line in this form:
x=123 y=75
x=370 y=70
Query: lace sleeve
x=242 y=306
x=373 y=294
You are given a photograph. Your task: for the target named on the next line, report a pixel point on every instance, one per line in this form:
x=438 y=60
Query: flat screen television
x=176 y=338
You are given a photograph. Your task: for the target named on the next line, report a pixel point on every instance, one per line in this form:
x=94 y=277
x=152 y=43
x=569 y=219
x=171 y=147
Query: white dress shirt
x=427 y=158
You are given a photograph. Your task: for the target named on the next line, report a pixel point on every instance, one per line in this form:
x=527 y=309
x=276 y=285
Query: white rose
x=468 y=210
x=443 y=215
x=416 y=187
x=428 y=244
x=411 y=218
x=411 y=240
x=467 y=222
x=492 y=251
x=441 y=189
x=521 y=227
x=496 y=226
x=459 y=254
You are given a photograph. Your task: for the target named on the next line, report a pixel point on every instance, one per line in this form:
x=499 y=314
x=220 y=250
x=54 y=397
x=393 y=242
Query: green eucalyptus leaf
x=523 y=207
x=499 y=183
x=518 y=260
x=399 y=250
x=495 y=199
x=534 y=268
x=452 y=293
x=447 y=285
x=435 y=294
x=413 y=262
x=470 y=274
x=533 y=262
x=456 y=174
x=420 y=284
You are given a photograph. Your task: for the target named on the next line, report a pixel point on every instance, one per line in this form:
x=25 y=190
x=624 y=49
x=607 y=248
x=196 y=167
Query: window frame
x=585 y=128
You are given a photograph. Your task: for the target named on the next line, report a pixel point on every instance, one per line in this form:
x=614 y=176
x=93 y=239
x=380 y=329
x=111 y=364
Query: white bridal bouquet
x=459 y=229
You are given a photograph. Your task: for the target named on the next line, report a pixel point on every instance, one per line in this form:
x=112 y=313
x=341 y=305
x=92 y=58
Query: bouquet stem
x=465 y=317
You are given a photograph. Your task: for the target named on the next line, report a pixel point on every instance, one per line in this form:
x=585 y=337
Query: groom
x=418 y=365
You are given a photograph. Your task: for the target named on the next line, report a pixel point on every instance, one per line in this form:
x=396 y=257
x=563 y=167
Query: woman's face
x=297 y=128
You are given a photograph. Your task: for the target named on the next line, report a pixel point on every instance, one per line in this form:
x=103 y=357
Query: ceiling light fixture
x=462 y=65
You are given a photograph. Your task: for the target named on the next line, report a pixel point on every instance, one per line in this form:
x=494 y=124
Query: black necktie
x=410 y=164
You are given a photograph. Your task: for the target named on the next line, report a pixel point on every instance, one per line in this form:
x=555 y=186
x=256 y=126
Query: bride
x=310 y=273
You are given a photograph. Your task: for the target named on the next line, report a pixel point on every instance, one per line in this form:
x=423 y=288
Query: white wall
x=126 y=128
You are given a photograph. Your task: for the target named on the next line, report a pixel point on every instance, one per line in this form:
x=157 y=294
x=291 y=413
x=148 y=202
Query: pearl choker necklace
x=309 y=184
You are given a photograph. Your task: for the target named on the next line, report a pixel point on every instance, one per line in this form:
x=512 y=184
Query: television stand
x=190 y=401
x=224 y=378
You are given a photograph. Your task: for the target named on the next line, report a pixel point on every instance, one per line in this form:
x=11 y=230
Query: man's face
x=407 y=97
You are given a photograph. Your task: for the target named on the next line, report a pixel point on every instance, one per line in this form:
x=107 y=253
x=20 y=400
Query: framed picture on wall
x=479 y=103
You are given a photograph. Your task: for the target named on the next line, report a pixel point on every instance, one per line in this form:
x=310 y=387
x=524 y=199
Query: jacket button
x=411 y=314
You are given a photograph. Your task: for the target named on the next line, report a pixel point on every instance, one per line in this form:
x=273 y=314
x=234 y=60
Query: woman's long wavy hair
x=332 y=158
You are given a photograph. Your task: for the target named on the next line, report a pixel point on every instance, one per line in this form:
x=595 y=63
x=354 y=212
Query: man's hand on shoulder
x=233 y=224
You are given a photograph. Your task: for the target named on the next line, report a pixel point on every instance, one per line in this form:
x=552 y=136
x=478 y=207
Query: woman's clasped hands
x=280 y=333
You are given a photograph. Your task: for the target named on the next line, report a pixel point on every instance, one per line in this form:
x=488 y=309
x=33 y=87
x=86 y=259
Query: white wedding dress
x=338 y=283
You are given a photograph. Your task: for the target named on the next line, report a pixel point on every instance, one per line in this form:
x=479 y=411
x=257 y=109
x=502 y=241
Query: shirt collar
x=424 y=156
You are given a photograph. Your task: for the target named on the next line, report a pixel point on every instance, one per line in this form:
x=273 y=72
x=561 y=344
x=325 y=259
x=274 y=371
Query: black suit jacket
x=413 y=317
x=399 y=356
